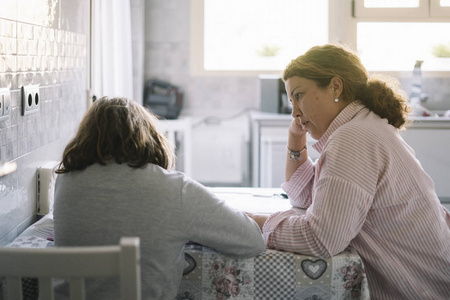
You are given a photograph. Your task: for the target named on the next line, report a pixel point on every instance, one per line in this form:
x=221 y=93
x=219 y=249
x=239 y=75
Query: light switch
x=31 y=101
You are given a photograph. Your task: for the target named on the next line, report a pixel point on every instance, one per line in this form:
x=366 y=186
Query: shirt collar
x=348 y=113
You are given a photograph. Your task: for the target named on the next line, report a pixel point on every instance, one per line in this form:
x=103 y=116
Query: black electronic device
x=163 y=99
x=273 y=95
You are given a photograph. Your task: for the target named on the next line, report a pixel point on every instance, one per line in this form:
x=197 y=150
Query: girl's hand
x=260 y=219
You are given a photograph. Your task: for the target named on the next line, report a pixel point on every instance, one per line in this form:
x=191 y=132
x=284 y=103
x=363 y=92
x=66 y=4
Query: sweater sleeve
x=211 y=222
x=299 y=187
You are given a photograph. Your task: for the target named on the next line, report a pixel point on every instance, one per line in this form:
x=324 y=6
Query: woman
x=366 y=190
x=114 y=181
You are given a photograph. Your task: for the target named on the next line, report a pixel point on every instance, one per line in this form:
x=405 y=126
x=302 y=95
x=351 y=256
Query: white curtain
x=112 y=65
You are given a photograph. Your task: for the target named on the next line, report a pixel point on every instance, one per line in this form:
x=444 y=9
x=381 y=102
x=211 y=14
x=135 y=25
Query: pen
x=282 y=195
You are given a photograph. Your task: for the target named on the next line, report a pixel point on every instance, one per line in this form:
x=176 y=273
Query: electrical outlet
x=31 y=101
x=5 y=104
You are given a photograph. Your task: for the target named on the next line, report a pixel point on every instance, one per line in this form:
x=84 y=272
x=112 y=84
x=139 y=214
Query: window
x=390 y=46
x=392 y=35
x=391 y=8
x=262 y=36
x=391 y=3
x=257 y=35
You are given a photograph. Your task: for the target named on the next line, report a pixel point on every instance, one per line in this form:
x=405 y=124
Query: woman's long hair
x=117 y=130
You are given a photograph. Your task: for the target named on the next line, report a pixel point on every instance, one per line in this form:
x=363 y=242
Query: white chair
x=74 y=264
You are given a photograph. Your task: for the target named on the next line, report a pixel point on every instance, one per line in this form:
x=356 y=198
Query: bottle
x=416 y=92
x=416 y=83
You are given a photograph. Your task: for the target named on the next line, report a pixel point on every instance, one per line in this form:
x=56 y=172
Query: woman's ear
x=337 y=85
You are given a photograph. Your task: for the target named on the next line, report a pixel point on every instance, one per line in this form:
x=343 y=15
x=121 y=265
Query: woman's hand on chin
x=296 y=129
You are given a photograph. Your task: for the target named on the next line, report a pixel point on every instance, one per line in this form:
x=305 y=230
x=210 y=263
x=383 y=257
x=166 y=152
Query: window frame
x=391 y=12
x=430 y=11
x=342 y=29
x=427 y=9
x=437 y=11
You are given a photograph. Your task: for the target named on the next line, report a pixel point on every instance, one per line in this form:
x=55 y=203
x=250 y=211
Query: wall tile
x=167 y=4
x=9 y=9
x=40 y=12
x=167 y=25
x=38 y=48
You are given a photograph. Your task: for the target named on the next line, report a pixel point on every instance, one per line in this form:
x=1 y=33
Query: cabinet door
x=432 y=150
x=273 y=143
x=272 y=160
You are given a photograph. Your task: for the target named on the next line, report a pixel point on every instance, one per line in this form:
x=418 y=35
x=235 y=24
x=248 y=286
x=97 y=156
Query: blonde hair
x=382 y=95
x=119 y=130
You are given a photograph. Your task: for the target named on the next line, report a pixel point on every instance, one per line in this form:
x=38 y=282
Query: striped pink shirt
x=367 y=190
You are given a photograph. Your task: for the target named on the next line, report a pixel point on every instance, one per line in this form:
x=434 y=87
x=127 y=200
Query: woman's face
x=313 y=107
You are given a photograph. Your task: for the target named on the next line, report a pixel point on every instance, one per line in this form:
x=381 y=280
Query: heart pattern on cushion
x=314 y=269
x=192 y=264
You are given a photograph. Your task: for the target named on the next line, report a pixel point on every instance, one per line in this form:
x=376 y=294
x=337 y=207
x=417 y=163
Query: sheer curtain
x=111 y=46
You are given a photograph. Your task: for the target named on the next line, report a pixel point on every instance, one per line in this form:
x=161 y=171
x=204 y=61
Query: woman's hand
x=296 y=142
x=260 y=219
x=295 y=128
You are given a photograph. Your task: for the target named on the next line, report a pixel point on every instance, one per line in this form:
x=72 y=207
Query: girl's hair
x=120 y=130
x=382 y=95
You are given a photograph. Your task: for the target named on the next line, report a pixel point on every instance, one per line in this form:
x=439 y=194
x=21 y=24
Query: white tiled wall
x=45 y=43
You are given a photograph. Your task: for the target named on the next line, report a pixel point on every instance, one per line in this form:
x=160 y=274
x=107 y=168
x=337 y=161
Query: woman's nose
x=296 y=112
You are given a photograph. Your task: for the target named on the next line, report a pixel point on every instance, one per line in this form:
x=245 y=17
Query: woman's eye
x=297 y=96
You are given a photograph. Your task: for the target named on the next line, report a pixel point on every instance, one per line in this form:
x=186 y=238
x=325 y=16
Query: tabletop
x=254 y=200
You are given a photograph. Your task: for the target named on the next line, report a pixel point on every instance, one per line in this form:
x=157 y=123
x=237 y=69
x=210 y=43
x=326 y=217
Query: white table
x=255 y=200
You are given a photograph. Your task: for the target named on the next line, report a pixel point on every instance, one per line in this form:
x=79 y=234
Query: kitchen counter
x=429 y=122
x=428 y=136
x=285 y=120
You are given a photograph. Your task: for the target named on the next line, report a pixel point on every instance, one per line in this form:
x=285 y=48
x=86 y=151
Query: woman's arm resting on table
x=327 y=227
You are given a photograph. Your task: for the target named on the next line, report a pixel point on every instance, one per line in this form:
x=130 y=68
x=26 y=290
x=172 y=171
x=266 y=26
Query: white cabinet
x=273 y=143
x=269 y=142
x=432 y=147
x=179 y=134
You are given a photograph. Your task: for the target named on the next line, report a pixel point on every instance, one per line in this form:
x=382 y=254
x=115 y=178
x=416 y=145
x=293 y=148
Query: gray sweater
x=165 y=209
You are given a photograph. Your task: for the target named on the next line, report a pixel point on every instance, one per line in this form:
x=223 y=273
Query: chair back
x=74 y=264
